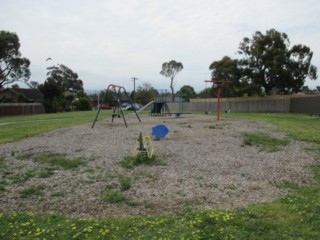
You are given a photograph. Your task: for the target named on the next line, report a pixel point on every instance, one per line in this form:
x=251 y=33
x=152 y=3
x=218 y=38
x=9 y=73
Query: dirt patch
x=205 y=165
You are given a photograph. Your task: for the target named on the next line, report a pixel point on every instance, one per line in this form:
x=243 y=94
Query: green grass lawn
x=15 y=128
x=297 y=126
x=295 y=216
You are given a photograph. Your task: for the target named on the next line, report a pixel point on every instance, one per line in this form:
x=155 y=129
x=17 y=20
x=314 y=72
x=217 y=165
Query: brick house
x=20 y=95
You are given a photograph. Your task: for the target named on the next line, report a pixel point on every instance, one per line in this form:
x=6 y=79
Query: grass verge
x=296 y=216
x=264 y=142
x=19 y=127
x=300 y=127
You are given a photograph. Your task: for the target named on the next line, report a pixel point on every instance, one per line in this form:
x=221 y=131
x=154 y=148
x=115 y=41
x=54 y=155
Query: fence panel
x=269 y=104
x=308 y=104
x=14 y=109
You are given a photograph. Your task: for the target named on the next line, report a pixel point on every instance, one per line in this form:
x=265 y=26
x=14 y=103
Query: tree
x=82 y=102
x=187 y=92
x=108 y=97
x=33 y=85
x=206 y=93
x=268 y=62
x=13 y=67
x=225 y=69
x=61 y=87
x=145 y=93
x=229 y=69
x=65 y=78
x=298 y=68
x=306 y=90
x=170 y=70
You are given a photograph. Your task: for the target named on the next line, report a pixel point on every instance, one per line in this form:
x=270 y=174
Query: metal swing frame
x=219 y=84
x=117 y=110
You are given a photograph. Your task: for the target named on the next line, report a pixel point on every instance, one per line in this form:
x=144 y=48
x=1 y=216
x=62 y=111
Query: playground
x=203 y=163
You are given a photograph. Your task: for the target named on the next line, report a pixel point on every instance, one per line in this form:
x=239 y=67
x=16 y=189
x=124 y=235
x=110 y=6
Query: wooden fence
x=13 y=109
x=309 y=104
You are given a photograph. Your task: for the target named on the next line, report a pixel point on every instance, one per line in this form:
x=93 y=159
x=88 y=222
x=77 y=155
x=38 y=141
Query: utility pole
x=134 y=90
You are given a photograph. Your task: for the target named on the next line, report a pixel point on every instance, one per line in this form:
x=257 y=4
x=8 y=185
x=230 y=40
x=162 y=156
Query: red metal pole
x=219 y=83
x=218 y=108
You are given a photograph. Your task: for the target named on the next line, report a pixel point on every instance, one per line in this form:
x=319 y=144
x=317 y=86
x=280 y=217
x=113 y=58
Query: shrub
x=82 y=104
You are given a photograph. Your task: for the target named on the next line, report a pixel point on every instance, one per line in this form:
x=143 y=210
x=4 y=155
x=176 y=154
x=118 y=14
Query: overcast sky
x=111 y=41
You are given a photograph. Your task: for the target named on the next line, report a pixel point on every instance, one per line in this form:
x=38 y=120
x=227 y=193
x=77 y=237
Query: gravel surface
x=205 y=165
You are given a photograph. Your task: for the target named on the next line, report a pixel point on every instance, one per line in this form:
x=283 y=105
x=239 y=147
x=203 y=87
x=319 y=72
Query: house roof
x=29 y=94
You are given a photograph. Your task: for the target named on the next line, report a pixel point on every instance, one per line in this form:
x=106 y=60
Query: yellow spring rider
x=144 y=147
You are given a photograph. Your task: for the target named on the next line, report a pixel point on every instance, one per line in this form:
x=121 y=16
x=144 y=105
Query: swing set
x=117 y=110
x=219 y=84
x=144 y=147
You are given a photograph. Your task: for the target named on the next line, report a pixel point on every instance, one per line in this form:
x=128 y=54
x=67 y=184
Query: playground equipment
x=144 y=147
x=160 y=131
x=146 y=106
x=161 y=108
x=117 y=110
x=219 y=83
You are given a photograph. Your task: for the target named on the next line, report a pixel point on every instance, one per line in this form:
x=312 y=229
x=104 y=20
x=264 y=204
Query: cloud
x=111 y=41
